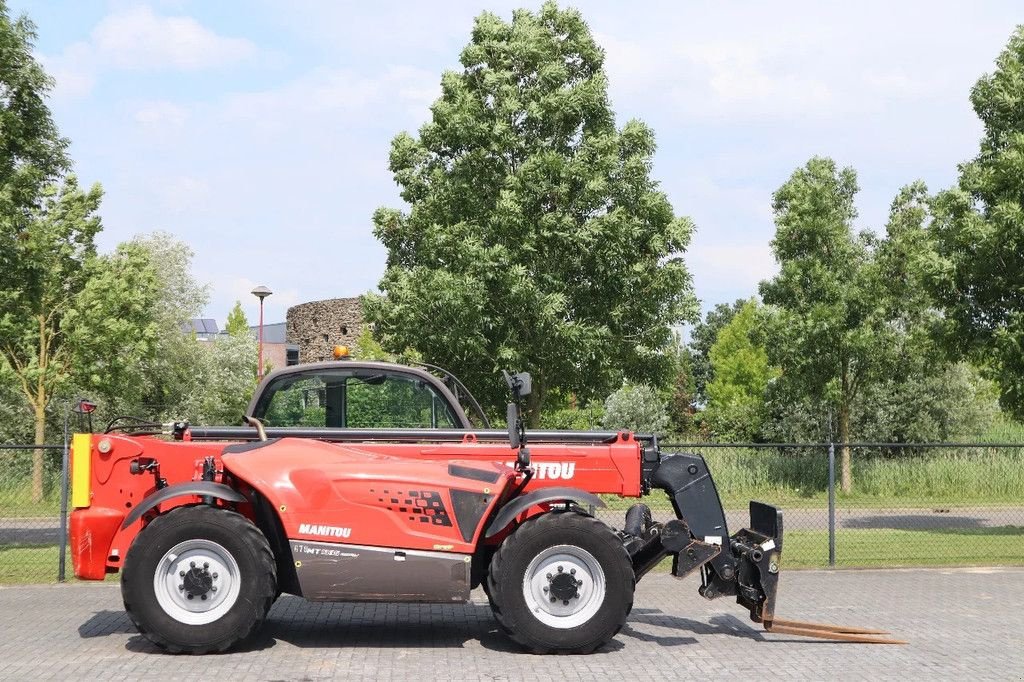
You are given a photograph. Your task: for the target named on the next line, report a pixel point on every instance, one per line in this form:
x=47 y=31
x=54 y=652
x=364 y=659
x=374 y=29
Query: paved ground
x=961 y=623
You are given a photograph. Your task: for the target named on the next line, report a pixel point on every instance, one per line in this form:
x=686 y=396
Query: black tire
x=508 y=587
x=256 y=579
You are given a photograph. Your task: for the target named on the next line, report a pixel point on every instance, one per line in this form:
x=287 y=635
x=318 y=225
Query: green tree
x=681 y=393
x=32 y=156
x=32 y=152
x=111 y=332
x=702 y=338
x=736 y=393
x=536 y=239
x=828 y=337
x=47 y=269
x=978 y=273
x=223 y=378
x=236 y=324
x=368 y=348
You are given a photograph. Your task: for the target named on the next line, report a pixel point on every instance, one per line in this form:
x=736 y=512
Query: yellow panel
x=81 y=469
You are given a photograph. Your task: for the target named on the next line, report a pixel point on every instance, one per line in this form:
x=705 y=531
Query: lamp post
x=261 y=292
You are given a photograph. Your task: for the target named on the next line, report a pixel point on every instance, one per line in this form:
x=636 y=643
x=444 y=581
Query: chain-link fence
x=901 y=505
x=32 y=526
x=904 y=505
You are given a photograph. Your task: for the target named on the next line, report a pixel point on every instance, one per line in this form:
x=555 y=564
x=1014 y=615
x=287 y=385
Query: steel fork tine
x=825 y=626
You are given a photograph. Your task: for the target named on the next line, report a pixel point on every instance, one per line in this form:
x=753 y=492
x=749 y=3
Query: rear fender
x=191 y=488
x=515 y=507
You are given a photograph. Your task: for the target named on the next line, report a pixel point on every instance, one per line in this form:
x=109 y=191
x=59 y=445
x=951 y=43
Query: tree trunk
x=846 y=479
x=39 y=407
x=37 y=455
x=534 y=401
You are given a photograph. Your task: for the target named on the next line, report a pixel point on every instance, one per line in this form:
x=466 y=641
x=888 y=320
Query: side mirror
x=512 y=417
x=520 y=384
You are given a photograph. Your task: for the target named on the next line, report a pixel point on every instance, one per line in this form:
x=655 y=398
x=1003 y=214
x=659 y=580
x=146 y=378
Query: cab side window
x=298 y=403
x=357 y=400
x=395 y=402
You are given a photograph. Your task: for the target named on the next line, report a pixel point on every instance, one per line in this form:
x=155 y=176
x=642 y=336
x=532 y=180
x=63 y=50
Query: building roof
x=272 y=333
x=200 y=325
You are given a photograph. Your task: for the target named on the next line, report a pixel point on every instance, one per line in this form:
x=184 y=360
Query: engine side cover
x=369 y=527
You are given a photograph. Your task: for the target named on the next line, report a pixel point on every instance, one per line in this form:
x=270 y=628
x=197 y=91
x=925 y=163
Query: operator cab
x=359 y=395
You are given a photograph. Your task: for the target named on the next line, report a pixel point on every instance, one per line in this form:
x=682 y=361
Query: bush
x=637 y=408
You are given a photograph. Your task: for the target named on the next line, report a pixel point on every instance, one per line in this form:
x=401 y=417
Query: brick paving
x=961 y=623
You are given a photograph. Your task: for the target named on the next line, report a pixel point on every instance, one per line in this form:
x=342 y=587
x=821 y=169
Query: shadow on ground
x=911 y=522
x=328 y=625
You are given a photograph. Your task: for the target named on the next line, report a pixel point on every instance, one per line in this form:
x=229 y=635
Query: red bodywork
x=362 y=492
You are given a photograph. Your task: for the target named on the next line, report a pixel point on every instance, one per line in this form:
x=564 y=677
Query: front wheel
x=561 y=583
x=199 y=579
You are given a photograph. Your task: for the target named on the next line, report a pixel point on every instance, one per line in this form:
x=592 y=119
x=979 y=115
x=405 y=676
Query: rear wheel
x=199 y=579
x=561 y=583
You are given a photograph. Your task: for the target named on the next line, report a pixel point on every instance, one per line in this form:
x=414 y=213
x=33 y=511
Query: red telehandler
x=366 y=481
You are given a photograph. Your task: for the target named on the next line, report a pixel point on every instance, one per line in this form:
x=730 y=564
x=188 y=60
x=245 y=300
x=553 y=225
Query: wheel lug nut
x=214 y=576
x=181 y=587
x=189 y=595
x=206 y=565
x=192 y=564
x=181 y=574
x=214 y=589
x=204 y=598
x=572 y=571
x=559 y=569
x=545 y=590
x=565 y=602
x=549 y=576
x=553 y=600
x=577 y=595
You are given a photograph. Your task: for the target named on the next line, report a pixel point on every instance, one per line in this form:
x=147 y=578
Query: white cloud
x=161 y=115
x=137 y=38
x=331 y=91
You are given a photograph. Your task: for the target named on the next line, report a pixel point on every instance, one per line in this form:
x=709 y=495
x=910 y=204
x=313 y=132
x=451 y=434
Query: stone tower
x=318 y=326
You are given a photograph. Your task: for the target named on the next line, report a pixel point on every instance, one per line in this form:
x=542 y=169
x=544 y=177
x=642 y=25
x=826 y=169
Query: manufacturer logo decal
x=552 y=470
x=324 y=531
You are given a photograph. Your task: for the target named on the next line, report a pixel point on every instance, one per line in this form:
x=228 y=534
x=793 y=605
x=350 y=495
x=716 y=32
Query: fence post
x=63 y=503
x=831 y=504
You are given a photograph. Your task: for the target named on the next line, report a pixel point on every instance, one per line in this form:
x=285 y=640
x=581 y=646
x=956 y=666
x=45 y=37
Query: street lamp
x=261 y=292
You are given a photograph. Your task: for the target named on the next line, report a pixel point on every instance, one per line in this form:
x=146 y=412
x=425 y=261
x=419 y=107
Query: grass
x=892 y=478
x=1003 y=546
x=885 y=548
x=26 y=565
x=23 y=565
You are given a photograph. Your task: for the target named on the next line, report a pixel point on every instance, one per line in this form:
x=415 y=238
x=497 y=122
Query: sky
x=258 y=132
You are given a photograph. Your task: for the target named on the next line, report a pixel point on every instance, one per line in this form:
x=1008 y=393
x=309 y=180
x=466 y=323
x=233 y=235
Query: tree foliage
x=32 y=152
x=830 y=336
x=536 y=239
x=636 y=408
x=978 y=273
x=47 y=268
x=735 y=409
x=704 y=335
x=236 y=324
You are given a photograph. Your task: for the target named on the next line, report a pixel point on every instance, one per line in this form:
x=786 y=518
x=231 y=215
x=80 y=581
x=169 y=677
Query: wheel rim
x=564 y=586
x=197 y=582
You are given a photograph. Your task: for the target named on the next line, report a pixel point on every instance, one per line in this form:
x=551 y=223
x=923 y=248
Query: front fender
x=520 y=504
x=218 y=490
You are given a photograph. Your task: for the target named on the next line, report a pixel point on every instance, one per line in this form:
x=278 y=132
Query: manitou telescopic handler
x=368 y=481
